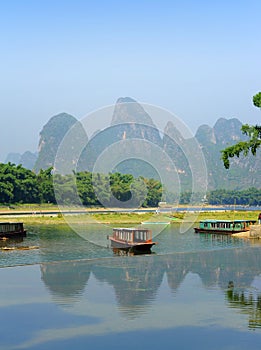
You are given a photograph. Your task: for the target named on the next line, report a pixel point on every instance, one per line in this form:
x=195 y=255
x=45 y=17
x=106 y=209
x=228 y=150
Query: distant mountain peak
x=51 y=136
x=224 y=121
x=205 y=134
x=27 y=159
x=127 y=110
x=126 y=100
x=228 y=130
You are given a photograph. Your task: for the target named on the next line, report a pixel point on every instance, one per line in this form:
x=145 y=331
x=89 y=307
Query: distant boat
x=224 y=226
x=133 y=239
x=12 y=229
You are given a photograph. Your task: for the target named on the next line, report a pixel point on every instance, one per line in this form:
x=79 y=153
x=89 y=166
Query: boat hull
x=138 y=247
x=13 y=234
x=222 y=232
x=12 y=230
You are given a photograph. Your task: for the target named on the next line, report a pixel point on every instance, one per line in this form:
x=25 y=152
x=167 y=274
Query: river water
x=194 y=291
x=60 y=242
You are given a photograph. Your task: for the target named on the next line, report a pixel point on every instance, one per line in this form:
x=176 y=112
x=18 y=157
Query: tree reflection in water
x=247 y=303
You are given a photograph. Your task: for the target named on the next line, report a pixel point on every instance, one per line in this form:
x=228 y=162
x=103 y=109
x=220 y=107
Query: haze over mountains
x=130 y=122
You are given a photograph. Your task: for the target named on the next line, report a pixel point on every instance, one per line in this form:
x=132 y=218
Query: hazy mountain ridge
x=244 y=171
x=131 y=121
x=27 y=159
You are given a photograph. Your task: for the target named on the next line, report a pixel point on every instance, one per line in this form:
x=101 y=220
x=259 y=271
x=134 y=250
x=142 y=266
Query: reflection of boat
x=12 y=229
x=130 y=252
x=133 y=239
x=224 y=226
x=20 y=248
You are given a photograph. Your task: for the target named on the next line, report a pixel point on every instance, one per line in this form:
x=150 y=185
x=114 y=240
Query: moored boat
x=224 y=226
x=12 y=229
x=134 y=239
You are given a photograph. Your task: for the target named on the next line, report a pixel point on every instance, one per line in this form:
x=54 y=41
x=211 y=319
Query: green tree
x=154 y=194
x=120 y=187
x=89 y=186
x=45 y=185
x=17 y=184
x=6 y=191
x=252 y=144
x=139 y=191
x=66 y=190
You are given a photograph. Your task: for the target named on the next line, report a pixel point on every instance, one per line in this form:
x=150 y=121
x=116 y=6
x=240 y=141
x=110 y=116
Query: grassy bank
x=230 y=215
x=131 y=218
x=113 y=218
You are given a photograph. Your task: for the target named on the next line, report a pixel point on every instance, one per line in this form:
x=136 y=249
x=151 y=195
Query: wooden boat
x=134 y=239
x=12 y=229
x=224 y=226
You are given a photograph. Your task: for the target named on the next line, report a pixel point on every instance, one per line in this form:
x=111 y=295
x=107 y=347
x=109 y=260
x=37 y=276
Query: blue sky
x=198 y=59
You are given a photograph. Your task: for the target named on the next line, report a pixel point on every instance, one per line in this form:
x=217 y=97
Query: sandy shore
x=245 y=234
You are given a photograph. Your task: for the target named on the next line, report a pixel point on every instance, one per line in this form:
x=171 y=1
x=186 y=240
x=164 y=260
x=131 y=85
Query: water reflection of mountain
x=65 y=280
x=136 y=280
x=218 y=268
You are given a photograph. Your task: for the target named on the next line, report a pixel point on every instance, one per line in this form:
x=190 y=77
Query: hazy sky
x=199 y=59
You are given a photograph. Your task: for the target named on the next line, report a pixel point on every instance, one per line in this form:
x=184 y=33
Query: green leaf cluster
x=252 y=144
x=257 y=100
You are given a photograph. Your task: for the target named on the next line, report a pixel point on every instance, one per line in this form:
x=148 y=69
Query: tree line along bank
x=20 y=185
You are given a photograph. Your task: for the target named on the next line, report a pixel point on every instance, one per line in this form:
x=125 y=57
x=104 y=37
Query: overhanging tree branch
x=254 y=142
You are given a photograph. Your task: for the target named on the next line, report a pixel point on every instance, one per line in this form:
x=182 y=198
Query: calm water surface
x=200 y=292
x=59 y=243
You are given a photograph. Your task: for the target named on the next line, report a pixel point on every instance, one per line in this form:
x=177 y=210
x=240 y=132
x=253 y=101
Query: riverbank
x=96 y=215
